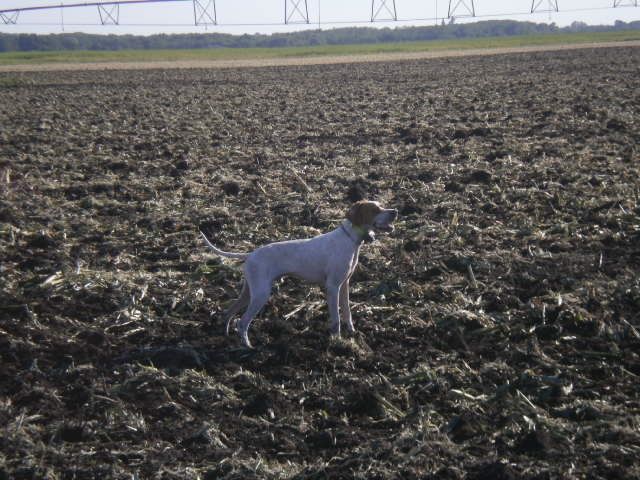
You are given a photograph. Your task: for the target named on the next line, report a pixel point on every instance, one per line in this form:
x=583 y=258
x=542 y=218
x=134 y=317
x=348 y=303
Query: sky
x=267 y=16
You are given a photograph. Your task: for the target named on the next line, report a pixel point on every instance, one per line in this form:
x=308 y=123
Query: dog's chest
x=354 y=262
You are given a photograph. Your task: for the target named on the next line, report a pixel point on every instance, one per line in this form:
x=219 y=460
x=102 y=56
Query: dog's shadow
x=177 y=358
x=279 y=343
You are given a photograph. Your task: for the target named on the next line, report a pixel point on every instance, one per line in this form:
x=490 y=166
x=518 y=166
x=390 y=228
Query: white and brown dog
x=327 y=260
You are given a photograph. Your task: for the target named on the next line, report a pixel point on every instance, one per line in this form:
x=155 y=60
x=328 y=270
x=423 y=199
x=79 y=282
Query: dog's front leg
x=333 y=293
x=345 y=311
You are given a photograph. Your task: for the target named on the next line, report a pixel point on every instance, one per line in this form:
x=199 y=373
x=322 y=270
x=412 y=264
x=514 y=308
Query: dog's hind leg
x=259 y=296
x=239 y=304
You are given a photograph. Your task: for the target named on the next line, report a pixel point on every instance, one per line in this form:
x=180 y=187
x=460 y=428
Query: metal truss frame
x=375 y=14
x=10 y=18
x=204 y=12
x=468 y=5
x=295 y=11
x=109 y=14
x=552 y=6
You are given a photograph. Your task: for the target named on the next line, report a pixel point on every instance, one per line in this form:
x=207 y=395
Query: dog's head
x=369 y=215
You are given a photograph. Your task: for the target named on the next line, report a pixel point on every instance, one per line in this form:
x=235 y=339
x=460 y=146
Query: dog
x=327 y=260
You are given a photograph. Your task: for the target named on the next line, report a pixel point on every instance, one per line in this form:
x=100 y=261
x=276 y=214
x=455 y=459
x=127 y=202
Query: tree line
x=339 y=36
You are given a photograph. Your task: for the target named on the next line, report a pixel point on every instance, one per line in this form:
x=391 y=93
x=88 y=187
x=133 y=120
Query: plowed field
x=497 y=327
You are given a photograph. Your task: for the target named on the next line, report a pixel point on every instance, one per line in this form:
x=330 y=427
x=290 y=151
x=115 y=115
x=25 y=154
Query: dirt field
x=498 y=327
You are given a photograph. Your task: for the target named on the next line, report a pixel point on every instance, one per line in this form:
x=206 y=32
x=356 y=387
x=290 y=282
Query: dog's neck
x=357 y=233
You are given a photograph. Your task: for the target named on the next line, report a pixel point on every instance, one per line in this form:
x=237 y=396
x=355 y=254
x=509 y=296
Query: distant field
x=19 y=58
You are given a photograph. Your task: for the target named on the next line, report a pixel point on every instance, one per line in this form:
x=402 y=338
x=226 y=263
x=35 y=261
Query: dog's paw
x=244 y=338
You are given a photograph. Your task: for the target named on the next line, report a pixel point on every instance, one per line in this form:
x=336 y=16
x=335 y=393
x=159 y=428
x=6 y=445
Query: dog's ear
x=354 y=215
x=363 y=212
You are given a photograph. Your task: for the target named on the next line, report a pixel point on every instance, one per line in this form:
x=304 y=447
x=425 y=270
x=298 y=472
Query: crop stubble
x=497 y=327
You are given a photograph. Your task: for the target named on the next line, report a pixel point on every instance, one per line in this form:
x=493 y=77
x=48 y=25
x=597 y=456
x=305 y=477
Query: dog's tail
x=237 y=256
